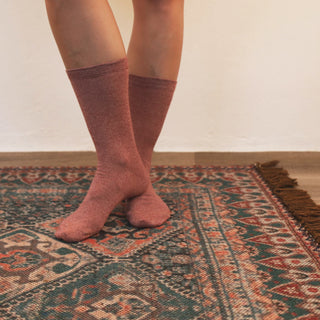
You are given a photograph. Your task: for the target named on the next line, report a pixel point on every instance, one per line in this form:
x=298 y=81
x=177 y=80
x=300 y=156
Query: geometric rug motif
x=230 y=250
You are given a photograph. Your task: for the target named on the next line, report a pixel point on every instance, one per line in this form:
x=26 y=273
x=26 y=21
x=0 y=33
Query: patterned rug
x=231 y=250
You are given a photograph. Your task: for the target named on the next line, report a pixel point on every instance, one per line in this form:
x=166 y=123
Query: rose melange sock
x=102 y=93
x=149 y=100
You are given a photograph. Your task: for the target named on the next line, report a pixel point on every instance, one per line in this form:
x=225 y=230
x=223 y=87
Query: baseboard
x=82 y=158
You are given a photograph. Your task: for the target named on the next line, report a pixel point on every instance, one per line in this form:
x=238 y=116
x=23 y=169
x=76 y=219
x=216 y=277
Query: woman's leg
x=85 y=32
x=156 y=41
x=96 y=64
x=154 y=56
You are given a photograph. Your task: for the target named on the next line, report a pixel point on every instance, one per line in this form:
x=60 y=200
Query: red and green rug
x=241 y=244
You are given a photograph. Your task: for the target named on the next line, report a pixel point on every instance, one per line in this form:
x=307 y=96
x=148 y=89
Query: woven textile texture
x=231 y=250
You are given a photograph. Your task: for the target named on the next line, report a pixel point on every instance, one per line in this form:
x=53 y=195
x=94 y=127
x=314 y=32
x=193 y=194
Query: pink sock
x=102 y=93
x=149 y=102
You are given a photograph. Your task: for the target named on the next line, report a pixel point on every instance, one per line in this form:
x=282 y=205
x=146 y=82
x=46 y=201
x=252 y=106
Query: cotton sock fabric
x=149 y=100
x=102 y=93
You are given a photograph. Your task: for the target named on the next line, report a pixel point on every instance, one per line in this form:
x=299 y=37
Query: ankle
x=131 y=178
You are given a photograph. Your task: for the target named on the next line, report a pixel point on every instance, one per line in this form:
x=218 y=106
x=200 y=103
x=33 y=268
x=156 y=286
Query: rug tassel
x=297 y=201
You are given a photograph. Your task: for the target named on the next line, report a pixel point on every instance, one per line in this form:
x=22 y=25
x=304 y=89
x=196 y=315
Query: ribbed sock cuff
x=151 y=82
x=96 y=70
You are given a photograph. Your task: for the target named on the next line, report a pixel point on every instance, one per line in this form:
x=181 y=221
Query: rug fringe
x=297 y=201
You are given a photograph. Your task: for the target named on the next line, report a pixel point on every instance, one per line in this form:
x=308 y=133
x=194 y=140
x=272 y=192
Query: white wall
x=249 y=79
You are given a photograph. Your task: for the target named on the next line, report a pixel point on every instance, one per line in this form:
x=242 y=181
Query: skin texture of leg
x=157 y=36
x=154 y=56
x=85 y=32
x=92 y=50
